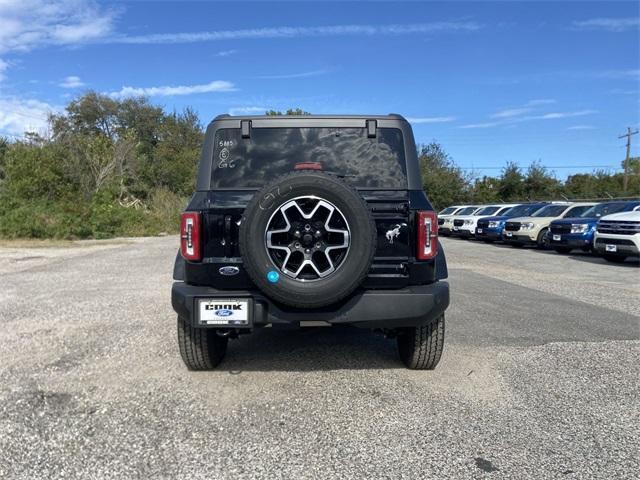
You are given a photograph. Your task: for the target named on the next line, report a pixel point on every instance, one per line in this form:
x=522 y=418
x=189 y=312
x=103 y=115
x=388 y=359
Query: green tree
x=290 y=111
x=539 y=184
x=511 y=183
x=444 y=182
x=486 y=190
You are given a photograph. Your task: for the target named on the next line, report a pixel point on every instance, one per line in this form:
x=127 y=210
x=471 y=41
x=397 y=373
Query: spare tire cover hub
x=307 y=238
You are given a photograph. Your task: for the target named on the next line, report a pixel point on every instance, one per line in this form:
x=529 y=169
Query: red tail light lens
x=190 y=236
x=427 y=235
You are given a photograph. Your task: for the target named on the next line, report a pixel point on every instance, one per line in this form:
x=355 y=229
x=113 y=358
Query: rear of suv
x=309 y=220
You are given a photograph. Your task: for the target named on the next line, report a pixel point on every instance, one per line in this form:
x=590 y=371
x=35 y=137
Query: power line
x=629 y=134
x=549 y=167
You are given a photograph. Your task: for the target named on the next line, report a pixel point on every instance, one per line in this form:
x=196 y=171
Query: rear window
x=376 y=163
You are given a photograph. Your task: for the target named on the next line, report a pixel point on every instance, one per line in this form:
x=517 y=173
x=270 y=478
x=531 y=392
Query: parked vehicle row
x=610 y=229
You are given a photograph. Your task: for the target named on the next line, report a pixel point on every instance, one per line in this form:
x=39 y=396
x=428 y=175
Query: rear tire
x=563 y=249
x=614 y=258
x=421 y=347
x=200 y=348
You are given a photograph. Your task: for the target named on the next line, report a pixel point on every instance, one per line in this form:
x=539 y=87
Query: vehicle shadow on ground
x=311 y=349
x=629 y=263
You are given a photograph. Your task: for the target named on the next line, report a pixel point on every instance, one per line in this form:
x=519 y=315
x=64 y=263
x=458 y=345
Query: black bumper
x=406 y=307
x=518 y=239
x=569 y=242
x=496 y=236
x=623 y=247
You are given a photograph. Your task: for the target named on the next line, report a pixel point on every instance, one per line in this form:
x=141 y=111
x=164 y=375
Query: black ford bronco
x=309 y=220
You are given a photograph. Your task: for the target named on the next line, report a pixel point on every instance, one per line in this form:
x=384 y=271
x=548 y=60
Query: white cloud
x=417 y=120
x=540 y=101
x=225 y=53
x=608 y=24
x=72 y=81
x=516 y=115
x=23 y=115
x=619 y=74
x=170 y=91
x=555 y=115
x=622 y=91
x=481 y=125
x=294 y=32
x=581 y=127
x=312 y=73
x=247 y=110
x=28 y=24
x=511 y=112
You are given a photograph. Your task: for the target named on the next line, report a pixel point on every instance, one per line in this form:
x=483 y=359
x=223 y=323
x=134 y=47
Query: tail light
x=427 y=235
x=190 y=236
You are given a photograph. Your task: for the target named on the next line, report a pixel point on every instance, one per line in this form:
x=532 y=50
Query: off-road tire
x=347 y=276
x=614 y=258
x=200 y=348
x=563 y=249
x=421 y=347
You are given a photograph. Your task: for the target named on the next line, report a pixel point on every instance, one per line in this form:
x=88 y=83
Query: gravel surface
x=539 y=378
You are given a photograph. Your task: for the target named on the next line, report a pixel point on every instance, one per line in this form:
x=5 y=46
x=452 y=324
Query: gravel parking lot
x=539 y=378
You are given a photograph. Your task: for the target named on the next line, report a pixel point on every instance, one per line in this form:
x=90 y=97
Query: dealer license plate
x=479 y=230
x=509 y=234
x=611 y=248
x=556 y=238
x=224 y=311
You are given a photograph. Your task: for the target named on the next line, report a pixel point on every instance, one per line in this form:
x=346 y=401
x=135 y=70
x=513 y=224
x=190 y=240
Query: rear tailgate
x=222 y=213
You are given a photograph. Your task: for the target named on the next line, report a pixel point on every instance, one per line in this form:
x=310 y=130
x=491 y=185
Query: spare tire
x=308 y=239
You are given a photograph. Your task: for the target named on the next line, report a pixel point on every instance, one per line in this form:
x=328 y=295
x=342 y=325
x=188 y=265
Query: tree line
x=111 y=167
x=448 y=184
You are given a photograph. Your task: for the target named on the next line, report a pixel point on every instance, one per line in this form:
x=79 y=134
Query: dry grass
x=52 y=243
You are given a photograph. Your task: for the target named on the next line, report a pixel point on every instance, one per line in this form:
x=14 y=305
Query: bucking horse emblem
x=393 y=233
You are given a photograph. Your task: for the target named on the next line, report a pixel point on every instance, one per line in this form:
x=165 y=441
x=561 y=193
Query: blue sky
x=492 y=81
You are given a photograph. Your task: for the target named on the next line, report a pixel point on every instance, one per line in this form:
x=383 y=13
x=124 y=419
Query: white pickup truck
x=618 y=236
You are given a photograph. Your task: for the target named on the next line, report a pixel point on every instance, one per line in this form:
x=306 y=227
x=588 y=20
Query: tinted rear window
x=270 y=152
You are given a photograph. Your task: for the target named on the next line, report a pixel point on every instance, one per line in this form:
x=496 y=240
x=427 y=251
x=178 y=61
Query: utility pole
x=626 y=160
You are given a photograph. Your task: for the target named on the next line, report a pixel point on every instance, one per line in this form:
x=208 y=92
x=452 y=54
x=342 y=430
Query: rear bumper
x=406 y=307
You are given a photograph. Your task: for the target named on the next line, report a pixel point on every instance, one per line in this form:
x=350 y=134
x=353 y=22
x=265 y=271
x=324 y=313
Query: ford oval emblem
x=223 y=312
x=229 y=270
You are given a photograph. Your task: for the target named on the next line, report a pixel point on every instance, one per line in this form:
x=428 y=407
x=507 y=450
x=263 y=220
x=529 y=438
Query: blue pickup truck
x=489 y=229
x=567 y=234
